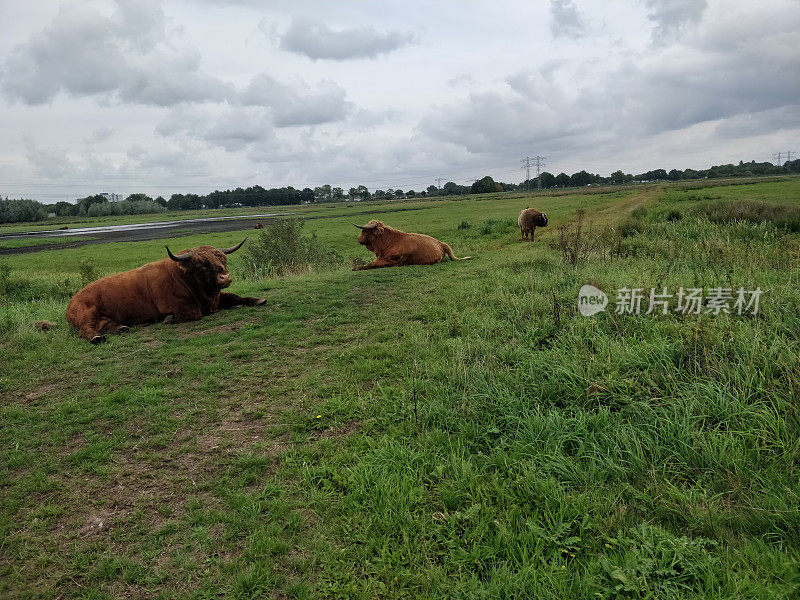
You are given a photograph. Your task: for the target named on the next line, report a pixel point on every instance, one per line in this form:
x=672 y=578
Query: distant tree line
x=20 y=211
x=582 y=178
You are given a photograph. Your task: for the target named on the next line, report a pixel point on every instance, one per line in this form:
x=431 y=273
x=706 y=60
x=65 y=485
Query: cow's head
x=542 y=220
x=370 y=232
x=206 y=266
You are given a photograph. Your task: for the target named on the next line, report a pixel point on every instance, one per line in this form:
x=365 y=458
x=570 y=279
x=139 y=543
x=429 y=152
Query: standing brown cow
x=183 y=287
x=395 y=248
x=529 y=219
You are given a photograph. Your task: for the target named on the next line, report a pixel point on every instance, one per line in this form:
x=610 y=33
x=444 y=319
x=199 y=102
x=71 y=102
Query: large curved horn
x=233 y=249
x=180 y=257
x=359 y=226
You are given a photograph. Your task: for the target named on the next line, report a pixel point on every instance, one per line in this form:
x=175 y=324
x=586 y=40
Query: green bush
x=21 y=211
x=125 y=207
x=281 y=249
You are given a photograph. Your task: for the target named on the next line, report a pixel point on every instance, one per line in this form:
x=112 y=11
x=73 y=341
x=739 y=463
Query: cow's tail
x=449 y=251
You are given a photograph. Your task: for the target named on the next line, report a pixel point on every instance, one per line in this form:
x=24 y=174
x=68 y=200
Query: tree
x=451 y=188
x=160 y=200
x=306 y=196
x=548 y=179
x=85 y=203
x=432 y=190
x=582 y=178
x=362 y=192
x=21 y=211
x=138 y=198
x=486 y=185
x=619 y=177
x=352 y=192
x=322 y=193
x=65 y=209
x=562 y=180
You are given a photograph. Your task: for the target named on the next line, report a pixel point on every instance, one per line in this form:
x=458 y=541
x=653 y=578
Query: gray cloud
x=299 y=105
x=565 y=19
x=671 y=16
x=100 y=134
x=83 y=53
x=318 y=41
x=49 y=162
x=753 y=81
x=234 y=129
x=238 y=129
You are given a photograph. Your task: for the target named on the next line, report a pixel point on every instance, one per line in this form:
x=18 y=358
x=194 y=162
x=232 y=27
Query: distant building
x=111 y=197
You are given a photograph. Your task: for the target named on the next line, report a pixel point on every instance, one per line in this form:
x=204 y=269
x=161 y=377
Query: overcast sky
x=196 y=95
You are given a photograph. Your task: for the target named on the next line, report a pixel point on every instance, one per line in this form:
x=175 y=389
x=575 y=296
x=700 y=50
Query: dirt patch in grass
x=339 y=432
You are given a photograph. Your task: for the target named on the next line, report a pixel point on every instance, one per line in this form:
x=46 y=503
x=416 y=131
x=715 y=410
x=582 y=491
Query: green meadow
x=449 y=431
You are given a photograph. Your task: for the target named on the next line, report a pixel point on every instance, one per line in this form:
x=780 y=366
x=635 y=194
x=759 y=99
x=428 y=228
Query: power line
x=777 y=157
x=527 y=162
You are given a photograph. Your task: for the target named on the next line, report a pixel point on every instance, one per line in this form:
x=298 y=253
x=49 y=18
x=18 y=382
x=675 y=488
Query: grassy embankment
x=448 y=431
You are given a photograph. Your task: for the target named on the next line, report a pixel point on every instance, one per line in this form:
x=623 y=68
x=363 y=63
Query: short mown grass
x=452 y=431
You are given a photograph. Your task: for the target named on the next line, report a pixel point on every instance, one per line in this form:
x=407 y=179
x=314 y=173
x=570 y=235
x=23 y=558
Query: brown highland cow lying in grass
x=183 y=287
x=394 y=248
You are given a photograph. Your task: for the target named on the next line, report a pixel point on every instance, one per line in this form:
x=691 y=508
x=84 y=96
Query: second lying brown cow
x=395 y=248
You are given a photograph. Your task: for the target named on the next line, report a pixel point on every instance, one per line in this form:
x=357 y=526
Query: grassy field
x=451 y=431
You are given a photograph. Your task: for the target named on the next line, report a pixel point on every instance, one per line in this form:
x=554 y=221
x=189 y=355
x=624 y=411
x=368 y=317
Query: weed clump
x=782 y=216
x=464 y=225
x=496 y=227
x=281 y=249
x=87 y=271
x=630 y=227
x=575 y=241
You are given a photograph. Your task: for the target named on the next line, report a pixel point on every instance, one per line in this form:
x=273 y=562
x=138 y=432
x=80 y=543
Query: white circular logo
x=591 y=300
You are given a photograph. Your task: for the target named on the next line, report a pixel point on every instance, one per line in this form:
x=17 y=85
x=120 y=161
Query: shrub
x=87 y=271
x=575 y=241
x=464 y=225
x=281 y=249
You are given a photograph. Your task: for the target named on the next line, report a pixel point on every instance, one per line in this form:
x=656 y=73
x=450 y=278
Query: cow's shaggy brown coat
x=529 y=219
x=395 y=248
x=182 y=287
